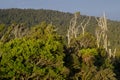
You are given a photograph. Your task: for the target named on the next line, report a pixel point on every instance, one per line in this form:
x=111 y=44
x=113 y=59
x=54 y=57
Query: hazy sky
x=86 y=7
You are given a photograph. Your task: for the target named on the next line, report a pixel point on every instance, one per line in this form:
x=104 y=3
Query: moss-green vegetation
x=40 y=52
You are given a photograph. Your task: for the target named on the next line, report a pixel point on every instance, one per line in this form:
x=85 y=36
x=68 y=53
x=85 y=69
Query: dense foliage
x=31 y=17
x=39 y=52
x=37 y=56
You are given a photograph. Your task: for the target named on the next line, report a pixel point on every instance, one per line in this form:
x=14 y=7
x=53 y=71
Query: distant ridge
x=31 y=17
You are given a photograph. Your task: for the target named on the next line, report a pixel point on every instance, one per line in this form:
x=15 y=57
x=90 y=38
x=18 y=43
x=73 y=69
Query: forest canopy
x=46 y=44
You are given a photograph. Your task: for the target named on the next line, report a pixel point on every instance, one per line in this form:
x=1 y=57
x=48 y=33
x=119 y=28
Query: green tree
x=33 y=58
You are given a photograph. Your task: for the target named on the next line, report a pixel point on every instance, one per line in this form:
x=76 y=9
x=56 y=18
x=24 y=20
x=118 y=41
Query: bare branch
x=72 y=30
x=83 y=25
x=101 y=35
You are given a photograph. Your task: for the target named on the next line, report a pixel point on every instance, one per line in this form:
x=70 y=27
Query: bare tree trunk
x=72 y=31
x=84 y=24
x=101 y=35
x=98 y=34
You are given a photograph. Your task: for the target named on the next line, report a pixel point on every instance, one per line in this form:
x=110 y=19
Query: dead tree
x=73 y=29
x=84 y=24
x=112 y=53
x=5 y=37
x=101 y=35
x=98 y=34
x=19 y=31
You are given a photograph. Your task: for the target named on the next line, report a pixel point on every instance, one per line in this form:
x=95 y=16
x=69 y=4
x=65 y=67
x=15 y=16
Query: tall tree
x=102 y=35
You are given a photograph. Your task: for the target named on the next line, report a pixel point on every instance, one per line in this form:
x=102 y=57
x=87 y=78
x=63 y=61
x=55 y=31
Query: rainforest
x=52 y=45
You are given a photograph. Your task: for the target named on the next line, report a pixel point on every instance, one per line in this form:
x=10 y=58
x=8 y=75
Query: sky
x=86 y=7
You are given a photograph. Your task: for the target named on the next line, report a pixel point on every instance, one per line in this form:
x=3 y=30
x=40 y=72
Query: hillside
x=61 y=20
x=32 y=17
x=49 y=45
